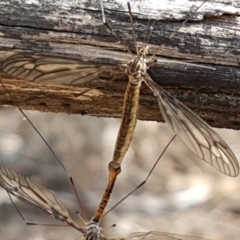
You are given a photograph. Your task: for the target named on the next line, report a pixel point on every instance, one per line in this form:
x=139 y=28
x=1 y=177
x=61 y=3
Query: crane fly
x=33 y=193
x=194 y=132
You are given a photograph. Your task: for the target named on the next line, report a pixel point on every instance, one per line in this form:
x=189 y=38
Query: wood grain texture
x=74 y=29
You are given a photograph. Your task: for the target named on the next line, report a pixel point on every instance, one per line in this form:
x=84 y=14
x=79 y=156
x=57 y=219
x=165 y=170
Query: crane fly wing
x=154 y=235
x=34 y=193
x=54 y=70
x=194 y=132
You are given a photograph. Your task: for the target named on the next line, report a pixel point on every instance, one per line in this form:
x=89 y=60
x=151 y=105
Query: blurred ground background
x=184 y=195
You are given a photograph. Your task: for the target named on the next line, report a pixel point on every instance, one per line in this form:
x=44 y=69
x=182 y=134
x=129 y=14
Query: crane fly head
x=143 y=51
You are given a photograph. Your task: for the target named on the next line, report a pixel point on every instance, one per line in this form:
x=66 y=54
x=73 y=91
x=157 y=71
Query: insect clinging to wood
x=195 y=133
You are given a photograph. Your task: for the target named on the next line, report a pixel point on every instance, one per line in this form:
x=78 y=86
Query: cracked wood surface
x=75 y=30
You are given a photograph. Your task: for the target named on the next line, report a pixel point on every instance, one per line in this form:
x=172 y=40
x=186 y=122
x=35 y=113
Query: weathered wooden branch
x=76 y=31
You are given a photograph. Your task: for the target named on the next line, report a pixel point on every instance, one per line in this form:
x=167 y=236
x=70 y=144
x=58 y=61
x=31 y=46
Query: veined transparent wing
x=199 y=137
x=34 y=193
x=56 y=70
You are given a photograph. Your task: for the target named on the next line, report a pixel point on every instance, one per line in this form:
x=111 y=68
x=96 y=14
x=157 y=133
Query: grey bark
x=75 y=29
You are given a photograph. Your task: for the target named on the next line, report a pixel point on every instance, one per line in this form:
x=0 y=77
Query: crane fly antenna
x=103 y=14
x=183 y=23
x=133 y=30
x=108 y=26
x=142 y=183
x=150 y=31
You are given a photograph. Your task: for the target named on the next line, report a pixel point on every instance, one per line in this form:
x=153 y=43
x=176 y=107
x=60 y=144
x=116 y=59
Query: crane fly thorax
x=92 y=231
x=138 y=65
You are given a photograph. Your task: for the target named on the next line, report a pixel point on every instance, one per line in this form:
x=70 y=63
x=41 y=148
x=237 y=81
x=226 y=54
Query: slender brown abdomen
x=128 y=123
